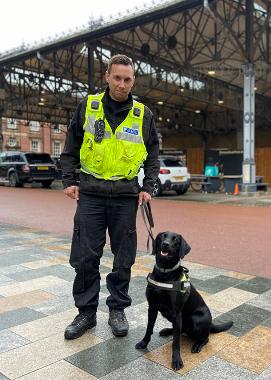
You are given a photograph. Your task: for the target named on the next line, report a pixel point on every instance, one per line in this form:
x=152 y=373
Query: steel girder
x=173 y=47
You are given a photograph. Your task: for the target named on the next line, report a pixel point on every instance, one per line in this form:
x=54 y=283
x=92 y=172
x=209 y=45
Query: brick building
x=33 y=136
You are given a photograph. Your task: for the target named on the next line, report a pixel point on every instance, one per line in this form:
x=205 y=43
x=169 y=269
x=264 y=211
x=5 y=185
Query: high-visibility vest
x=119 y=155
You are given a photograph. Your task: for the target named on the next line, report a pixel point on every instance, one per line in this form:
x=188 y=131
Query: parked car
x=173 y=175
x=17 y=168
x=56 y=161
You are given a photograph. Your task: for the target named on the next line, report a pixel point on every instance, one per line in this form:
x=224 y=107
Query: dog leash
x=147 y=216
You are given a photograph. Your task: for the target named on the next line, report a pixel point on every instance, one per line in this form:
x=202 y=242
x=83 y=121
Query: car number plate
x=178 y=178
x=43 y=168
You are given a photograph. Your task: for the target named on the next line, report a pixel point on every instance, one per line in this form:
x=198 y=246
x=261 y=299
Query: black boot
x=118 y=322
x=79 y=326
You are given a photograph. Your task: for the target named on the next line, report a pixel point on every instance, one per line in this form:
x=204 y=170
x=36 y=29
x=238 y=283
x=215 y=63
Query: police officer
x=111 y=135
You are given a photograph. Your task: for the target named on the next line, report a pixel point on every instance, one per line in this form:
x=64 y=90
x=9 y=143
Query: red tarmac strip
x=226 y=236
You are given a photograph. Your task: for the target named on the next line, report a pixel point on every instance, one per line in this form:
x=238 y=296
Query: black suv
x=17 y=168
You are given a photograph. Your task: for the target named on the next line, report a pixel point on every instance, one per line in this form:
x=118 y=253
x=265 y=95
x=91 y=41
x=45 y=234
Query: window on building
x=11 y=123
x=35 y=146
x=56 y=148
x=56 y=128
x=12 y=142
x=34 y=126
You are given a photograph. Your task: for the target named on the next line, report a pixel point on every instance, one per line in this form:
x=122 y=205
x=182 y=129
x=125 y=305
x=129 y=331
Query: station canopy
x=188 y=56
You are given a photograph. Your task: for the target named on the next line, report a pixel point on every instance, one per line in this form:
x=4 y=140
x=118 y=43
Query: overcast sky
x=26 y=21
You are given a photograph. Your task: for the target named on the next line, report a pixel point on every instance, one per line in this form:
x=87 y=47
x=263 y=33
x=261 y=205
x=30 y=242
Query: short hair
x=119 y=59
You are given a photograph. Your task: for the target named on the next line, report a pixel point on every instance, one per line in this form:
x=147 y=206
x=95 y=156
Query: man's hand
x=143 y=197
x=72 y=192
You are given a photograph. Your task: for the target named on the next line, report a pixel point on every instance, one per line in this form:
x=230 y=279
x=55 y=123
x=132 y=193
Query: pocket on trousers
x=77 y=261
x=75 y=257
x=126 y=255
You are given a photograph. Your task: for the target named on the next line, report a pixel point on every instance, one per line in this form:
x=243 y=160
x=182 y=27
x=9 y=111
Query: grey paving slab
x=218 y=369
x=142 y=253
x=61 y=290
x=15 y=257
x=142 y=369
x=216 y=284
x=58 y=270
x=138 y=282
x=137 y=315
x=137 y=295
x=104 y=269
x=267 y=323
x=262 y=301
x=9 y=236
x=55 y=305
x=256 y=285
x=102 y=302
x=196 y=282
x=215 y=313
x=245 y=318
x=2 y=377
x=4 y=279
x=112 y=354
x=10 y=340
x=205 y=273
x=13 y=248
x=13 y=269
x=102 y=329
x=265 y=375
x=53 y=240
x=27 y=234
x=18 y=316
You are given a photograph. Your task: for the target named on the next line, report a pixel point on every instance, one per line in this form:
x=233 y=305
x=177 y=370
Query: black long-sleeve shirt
x=115 y=112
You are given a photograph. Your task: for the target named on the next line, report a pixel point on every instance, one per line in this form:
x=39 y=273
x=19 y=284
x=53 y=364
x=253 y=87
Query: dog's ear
x=184 y=247
x=155 y=243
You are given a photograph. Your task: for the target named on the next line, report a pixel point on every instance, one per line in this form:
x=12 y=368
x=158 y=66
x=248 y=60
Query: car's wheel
x=182 y=190
x=46 y=184
x=157 y=188
x=12 y=180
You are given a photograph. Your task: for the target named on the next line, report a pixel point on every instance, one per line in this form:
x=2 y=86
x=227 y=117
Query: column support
x=249 y=168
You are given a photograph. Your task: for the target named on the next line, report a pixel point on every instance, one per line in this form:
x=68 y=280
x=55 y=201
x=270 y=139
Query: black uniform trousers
x=94 y=215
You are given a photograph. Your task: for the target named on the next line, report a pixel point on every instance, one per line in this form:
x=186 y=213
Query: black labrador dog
x=170 y=291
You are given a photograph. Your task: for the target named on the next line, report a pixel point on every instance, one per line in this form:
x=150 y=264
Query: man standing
x=110 y=136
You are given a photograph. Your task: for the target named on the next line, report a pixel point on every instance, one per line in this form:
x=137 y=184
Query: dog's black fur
x=187 y=312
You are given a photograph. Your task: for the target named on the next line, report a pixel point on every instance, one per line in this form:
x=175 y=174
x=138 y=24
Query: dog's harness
x=183 y=285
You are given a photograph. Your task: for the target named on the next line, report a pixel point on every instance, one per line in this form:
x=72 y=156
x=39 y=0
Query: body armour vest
x=119 y=155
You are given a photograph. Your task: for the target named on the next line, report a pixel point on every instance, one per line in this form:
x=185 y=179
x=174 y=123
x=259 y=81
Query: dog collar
x=183 y=285
x=178 y=265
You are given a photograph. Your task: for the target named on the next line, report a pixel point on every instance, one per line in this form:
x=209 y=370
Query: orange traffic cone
x=236 y=189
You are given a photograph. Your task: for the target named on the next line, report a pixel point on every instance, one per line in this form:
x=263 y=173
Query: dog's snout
x=165 y=245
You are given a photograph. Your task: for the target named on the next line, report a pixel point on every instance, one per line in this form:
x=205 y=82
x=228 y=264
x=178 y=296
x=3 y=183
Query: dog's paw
x=166 y=332
x=141 y=345
x=177 y=362
x=197 y=347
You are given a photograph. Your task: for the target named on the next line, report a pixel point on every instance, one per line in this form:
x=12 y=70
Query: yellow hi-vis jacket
x=119 y=155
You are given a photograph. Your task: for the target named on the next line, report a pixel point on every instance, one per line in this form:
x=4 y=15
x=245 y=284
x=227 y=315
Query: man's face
x=120 y=80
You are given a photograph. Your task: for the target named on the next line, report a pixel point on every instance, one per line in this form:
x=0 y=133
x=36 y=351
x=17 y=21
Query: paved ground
x=36 y=305
x=223 y=231
x=36 y=284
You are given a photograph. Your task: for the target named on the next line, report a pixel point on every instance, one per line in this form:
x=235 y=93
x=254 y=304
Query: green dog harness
x=183 y=285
